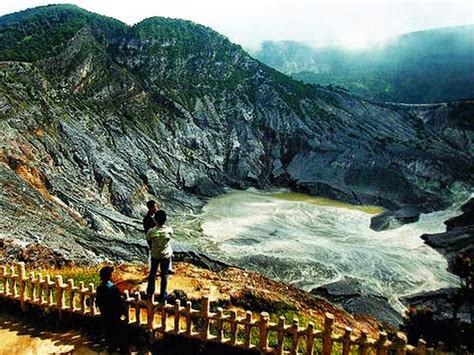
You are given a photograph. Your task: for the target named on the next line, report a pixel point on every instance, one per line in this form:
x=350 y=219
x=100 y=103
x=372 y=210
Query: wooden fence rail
x=223 y=326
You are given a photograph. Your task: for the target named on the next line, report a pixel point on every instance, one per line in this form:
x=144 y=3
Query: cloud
x=248 y=22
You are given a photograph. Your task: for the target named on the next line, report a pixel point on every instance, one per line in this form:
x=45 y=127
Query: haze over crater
x=352 y=24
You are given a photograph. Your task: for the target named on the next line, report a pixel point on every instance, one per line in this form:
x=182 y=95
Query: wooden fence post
x=440 y=347
x=280 y=335
x=150 y=316
x=294 y=336
x=41 y=289
x=72 y=291
x=247 y=329
x=205 y=317
x=22 y=284
x=310 y=339
x=92 y=299
x=263 y=326
x=31 y=278
x=346 y=341
x=164 y=317
x=11 y=282
x=187 y=314
x=363 y=343
x=177 y=309
x=14 y=282
x=381 y=344
x=219 y=324
x=327 y=334
x=233 y=327
x=3 y=281
x=127 y=303
x=400 y=343
x=49 y=294
x=421 y=348
x=138 y=313
x=59 y=293
x=82 y=297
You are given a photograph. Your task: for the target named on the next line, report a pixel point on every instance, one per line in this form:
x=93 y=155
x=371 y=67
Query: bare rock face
x=463 y=220
x=355 y=298
x=458 y=239
x=394 y=219
x=441 y=303
x=459 y=235
x=109 y=116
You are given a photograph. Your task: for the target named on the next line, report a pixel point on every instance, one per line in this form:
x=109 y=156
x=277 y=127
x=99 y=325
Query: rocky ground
x=22 y=337
x=457 y=240
x=234 y=287
x=356 y=299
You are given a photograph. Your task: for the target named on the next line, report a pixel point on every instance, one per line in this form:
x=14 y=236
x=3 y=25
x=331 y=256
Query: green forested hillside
x=427 y=66
x=36 y=33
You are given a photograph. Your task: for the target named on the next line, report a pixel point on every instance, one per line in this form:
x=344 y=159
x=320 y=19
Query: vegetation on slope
x=179 y=56
x=426 y=66
x=43 y=31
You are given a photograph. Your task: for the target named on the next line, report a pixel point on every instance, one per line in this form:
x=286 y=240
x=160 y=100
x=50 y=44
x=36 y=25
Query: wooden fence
x=223 y=326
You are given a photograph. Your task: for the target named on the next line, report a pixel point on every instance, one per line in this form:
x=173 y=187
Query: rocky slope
x=458 y=238
x=97 y=117
x=351 y=294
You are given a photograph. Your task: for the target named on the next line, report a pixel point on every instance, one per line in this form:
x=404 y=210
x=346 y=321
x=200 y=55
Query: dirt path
x=22 y=337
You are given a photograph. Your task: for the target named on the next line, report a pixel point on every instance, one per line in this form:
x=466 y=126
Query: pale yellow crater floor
x=321 y=201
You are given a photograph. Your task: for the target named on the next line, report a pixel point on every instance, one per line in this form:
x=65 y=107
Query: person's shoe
x=147 y=297
x=162 y=298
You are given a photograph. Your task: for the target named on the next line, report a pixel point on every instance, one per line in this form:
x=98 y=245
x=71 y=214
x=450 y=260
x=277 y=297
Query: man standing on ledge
x=158 y=239
x=149 y=223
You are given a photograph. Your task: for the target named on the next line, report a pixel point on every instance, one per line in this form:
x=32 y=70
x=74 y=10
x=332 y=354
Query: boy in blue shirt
x=112 y=307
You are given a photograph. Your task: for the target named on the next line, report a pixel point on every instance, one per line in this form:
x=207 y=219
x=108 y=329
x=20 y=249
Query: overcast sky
x=318 y=22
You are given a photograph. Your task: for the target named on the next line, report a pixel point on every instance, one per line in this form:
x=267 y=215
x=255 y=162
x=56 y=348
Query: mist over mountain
x=97 y=117
x=421 y=67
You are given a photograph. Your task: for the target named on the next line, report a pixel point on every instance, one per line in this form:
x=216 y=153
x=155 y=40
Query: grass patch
x=321 y=201
x=276 y=309
x=256 y=303
x=87 y=275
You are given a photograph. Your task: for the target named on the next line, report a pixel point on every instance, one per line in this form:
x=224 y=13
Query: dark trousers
x=164 y=268
x=116 y=334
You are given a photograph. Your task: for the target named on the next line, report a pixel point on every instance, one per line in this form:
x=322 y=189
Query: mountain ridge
x=423 y=66
x=106 y=122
